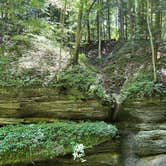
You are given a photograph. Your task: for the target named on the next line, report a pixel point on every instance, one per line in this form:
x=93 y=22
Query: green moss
x=26 y=143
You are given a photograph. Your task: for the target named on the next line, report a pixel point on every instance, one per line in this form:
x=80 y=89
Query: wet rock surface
x=159 y=160
x=144 y=133
x=151 y=142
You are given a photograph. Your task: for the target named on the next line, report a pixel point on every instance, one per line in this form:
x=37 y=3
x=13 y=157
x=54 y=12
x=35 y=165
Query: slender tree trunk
x=97 y=22
x=88 y=29
x=151 y=42
x=126 y=25
x=121 y=19
x=100 y=29
x=108 y=20
x=62 y=22
x=88 y=20
x=131 y=18
x=78 y=33
x=157 y=33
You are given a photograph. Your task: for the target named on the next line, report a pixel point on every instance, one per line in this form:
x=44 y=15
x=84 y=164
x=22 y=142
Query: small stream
x=128 y=157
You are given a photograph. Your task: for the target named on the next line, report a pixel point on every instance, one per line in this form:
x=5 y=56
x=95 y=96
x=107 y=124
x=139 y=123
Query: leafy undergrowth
x=123 y=63
x=8 y=76
x=82 y=79
x=28 y=143
x=127 y=72
x=32 y=53
x=141 y=85
x=73 y=77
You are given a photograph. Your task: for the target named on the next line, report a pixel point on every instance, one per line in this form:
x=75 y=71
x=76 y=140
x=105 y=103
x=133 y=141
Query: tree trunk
x=100 y=30
x=121 y=19
x=108 y=20
x=62 y=22
x=78 y=33
x=157 y=33
x=88 y=21
x=151 y=42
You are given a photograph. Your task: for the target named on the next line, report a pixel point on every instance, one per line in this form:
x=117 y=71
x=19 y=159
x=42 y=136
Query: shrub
x=82 y=79
x=140 y=86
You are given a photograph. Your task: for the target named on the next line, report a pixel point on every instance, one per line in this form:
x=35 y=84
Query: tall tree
x=108 y=20
x=88 y=20
x=78 y=33
x=99 y=28
x=62 y=22
x=157 y=31
x=151 y=42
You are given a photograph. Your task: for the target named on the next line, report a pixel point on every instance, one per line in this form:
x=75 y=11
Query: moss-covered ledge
x=37 y=142
x=145 y=101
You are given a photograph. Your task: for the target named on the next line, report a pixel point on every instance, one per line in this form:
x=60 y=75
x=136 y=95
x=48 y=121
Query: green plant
x=82 y=79
x=43 y=141
x=140 y=86
x=160 y=89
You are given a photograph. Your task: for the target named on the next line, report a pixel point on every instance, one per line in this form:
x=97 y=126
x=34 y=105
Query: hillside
x=82 y=83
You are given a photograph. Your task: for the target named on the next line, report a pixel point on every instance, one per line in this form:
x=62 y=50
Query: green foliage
x=4 y=65
x=137 y=89
x=9 y=78
x=44 y=141
x=21 y=40
x=35 y=26
x=160 y=89
x=82 y=79
x=141 y=86
x=4 y=60
x=76 y=76
x=19 y=21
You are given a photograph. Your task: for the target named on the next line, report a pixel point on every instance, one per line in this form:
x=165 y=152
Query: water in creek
x=128 y=157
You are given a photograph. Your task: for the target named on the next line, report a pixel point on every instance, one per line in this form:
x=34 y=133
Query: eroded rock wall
x=143 y=131
x=28 y=105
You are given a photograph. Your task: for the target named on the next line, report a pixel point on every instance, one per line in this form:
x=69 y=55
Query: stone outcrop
x=141 y=124
x=151 y=142
x=159 y=160
x=143 y=131
x=29 y=105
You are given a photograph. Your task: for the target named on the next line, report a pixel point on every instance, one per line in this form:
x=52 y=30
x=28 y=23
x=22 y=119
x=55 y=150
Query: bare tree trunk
x=62 y=22
x=88 y=21
x=100 y=30
x=78 y=33
x=108 y=20
x=157 y=33
x=121 y=20
x=151 y=42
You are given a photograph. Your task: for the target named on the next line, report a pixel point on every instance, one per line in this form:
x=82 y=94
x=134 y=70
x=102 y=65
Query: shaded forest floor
x=126 y=68
x=32 y=59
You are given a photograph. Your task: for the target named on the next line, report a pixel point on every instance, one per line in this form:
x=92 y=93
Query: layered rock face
x=33 y=105
x=143 y=126
x=30 y=105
